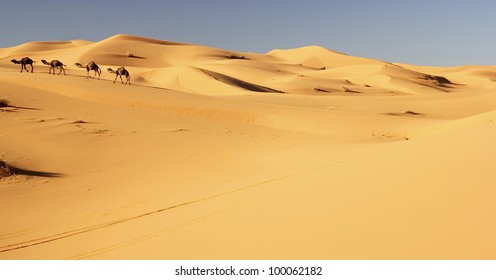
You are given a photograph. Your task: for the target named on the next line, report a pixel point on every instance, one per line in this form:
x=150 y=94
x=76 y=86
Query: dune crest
x=310 y=70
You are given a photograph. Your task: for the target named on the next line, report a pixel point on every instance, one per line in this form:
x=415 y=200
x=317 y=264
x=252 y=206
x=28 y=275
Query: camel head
x=78 y=65
x=45 y=62
x=15 y=61
x=110 y=71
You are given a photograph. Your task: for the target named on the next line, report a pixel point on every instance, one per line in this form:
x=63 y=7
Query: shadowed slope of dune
x=238 y=83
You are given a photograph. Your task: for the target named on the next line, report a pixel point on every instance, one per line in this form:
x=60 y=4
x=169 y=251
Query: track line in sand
x=80 y=256
x=52 y=225
x=78 y=231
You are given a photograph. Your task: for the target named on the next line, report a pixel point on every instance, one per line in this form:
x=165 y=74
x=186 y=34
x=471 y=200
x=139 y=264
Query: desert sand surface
x=214 y=154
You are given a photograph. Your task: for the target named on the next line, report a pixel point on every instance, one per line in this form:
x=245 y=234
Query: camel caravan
x=90 y=66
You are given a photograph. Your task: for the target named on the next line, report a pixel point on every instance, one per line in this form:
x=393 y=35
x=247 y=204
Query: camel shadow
x=35 y=173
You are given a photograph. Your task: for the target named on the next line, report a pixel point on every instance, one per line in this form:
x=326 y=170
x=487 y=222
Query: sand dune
x=215 y=154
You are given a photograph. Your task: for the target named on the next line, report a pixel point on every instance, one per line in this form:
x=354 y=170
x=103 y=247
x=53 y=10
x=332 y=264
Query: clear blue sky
x=419 y=32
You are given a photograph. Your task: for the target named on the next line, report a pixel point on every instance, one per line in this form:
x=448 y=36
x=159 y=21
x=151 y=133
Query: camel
x=119 y=72
x=54 y=64
x=91 y=66
x=25 y=61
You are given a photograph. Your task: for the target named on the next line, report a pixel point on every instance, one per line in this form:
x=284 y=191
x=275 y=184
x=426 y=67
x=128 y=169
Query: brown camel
x=91 y=66
x=25 y=61
x=54 y=64
x=120 y=72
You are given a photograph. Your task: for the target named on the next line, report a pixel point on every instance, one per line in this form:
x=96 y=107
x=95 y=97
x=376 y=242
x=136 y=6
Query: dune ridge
x=304 y=153
x=303 y=70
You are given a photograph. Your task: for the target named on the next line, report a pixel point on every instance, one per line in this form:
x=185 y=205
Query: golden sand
x=213 y=154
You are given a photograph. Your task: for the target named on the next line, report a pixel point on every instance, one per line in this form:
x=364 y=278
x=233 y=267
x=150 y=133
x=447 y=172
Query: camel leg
x=116 y=77
x=87 y=74
x=32 y=68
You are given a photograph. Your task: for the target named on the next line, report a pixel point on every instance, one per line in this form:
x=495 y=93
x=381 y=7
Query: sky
x=421 y=32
